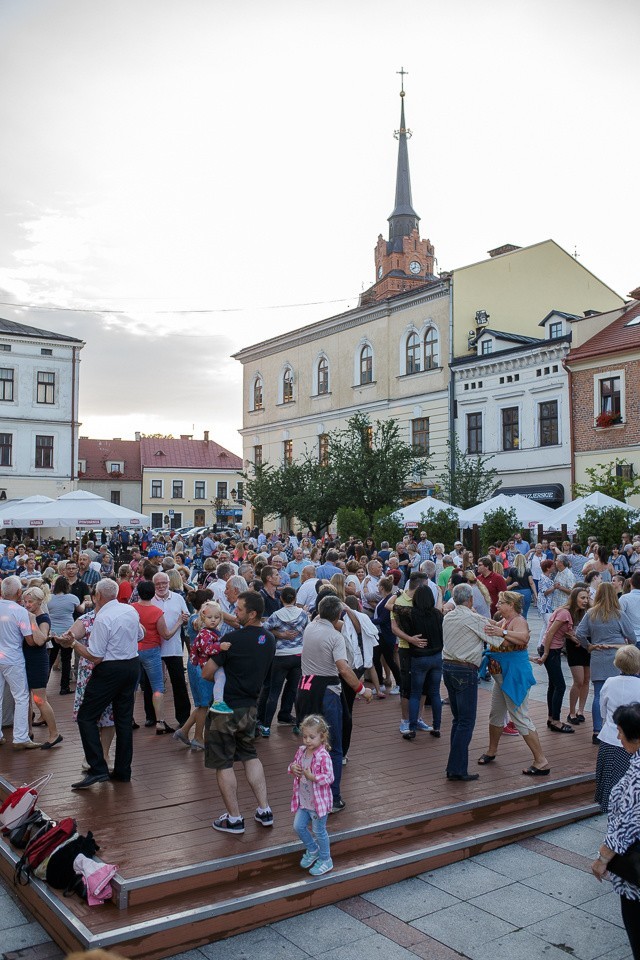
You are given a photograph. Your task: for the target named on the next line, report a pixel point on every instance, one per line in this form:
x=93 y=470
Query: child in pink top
x=312 y=798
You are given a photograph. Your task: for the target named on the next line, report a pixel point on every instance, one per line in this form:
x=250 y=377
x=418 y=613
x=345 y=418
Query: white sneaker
x=382 y=688
x=394 y=691
x=424 y=726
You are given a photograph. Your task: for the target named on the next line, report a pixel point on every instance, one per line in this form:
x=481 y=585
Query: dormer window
x=486 y=347
x=115 y=466
x=555 y=329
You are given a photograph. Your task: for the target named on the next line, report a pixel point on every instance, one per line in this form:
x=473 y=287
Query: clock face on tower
x=380 y=272
x=415 y=267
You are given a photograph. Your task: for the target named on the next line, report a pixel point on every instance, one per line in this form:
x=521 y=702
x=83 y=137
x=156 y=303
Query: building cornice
x=344 y=321
x=521 y=360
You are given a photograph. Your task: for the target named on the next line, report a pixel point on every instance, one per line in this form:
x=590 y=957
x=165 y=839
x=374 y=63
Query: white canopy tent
x=529 y=512
x=79 y=508
x=413 y=512
x=569 y=514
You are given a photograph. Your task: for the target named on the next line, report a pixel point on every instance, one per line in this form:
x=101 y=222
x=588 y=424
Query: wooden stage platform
x=181 y=883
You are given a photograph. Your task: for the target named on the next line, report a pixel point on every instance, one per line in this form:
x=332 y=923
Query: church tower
x=404 y=261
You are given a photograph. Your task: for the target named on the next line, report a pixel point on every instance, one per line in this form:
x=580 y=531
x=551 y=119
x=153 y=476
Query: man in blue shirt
x=295 y=568
x=326 y=570
x=425 y=547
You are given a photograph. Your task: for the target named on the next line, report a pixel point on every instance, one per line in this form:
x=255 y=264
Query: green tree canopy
x=471 y=481
x=498 y=525
x=607 y=524
x=441 y=526
x=615 y=479
x=366 y=467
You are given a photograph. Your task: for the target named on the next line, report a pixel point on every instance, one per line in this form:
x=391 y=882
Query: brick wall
x=586 y=436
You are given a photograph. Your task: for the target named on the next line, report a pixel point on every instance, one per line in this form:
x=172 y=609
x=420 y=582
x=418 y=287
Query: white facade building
x=512 y=403
x=39 y=380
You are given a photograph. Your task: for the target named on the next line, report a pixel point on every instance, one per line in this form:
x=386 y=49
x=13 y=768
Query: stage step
x=168 y=912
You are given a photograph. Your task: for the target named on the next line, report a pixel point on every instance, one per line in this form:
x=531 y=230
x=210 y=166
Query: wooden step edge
x=377 y=870
x=122 y=886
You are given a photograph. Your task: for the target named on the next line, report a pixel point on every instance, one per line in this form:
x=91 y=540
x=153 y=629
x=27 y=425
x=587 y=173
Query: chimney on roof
x=635 y=294
x=83 y=438
x=186 y=436
x=206 y=436
x=138 y=436
x=505 y=248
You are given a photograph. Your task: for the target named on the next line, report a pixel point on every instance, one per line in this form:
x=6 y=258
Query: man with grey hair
x=307 y=593
x=429 y=567
x=232 y=590
x=15 y=626
x=113 y=648
x=324 y=665
x=464 y=636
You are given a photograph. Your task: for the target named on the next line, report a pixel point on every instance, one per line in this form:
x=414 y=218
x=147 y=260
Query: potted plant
x=606 y=419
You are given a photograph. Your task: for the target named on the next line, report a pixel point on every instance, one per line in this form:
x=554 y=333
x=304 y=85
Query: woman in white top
x=613 y=760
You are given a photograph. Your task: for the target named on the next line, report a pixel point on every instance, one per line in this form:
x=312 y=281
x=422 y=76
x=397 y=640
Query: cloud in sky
x=167 y=155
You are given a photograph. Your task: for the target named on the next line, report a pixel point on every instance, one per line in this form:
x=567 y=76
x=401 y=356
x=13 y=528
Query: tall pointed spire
x=404 y=219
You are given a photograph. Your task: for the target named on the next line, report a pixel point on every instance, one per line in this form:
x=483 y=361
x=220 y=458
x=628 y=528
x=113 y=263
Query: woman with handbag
x=619 y=854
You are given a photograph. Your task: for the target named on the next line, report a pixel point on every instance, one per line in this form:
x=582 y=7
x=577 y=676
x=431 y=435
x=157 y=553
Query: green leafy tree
x=471 y=481
x=441 y=526
x=606 y=524
x=605 y=478
x=372 y=463
x=387 y=526
x=304 y=489
x=351 y=522
x=498 y=525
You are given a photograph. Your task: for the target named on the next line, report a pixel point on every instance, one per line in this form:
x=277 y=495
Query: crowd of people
x=289 y=630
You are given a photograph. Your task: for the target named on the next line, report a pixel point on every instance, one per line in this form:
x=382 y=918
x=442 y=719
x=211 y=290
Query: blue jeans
x=332 y=713
x=461 y=682
x=595 y=706
x=525 y=593
x=316 y=840
x=427 y=668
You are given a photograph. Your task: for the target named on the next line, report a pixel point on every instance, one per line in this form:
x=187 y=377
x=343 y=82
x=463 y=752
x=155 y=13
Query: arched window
x=287 y=386
x=323 y=375
x=257 y=394
x=366 y=364
x=413 y=353
x=431 y=349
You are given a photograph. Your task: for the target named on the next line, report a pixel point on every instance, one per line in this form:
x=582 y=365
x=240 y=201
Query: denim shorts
x=201 y=690
x=151 y=663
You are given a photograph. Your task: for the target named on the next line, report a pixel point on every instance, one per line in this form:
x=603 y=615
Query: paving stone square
x=567 y=884
x=518 y=904
x=462 y=926
x=265 y=943
x=607 y=907
x=322 y=930
x=375 y=947
x=578 y=837
x=520 y=945
x=513 y=861
x=465 y=879
x=582 y=936
x=410 y=899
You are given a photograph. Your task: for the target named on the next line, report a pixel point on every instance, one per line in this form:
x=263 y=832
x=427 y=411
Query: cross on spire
x=402 y=74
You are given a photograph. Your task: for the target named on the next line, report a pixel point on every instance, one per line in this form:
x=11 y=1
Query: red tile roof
x=616 y=335
x=98 y=452
x=196 y=454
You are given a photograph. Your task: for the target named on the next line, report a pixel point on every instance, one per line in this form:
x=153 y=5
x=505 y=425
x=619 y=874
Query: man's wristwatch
x=504 y=633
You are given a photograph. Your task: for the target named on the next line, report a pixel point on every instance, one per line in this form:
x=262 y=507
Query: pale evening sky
x=164 y=156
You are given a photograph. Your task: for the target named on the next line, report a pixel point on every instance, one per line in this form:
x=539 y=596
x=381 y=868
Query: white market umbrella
x=79 y=508
x=569 y=514
x=413 y=511
x=15 y=508
x=529 y=512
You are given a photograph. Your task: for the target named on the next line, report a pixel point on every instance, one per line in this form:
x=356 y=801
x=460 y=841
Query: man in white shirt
x=113 y=648
x=306 y=596
x=174 y=608
x=15 y=627
x=630 y=603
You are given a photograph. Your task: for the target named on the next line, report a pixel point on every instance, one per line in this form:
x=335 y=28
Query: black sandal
x=565 y=728
x=486 y=758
